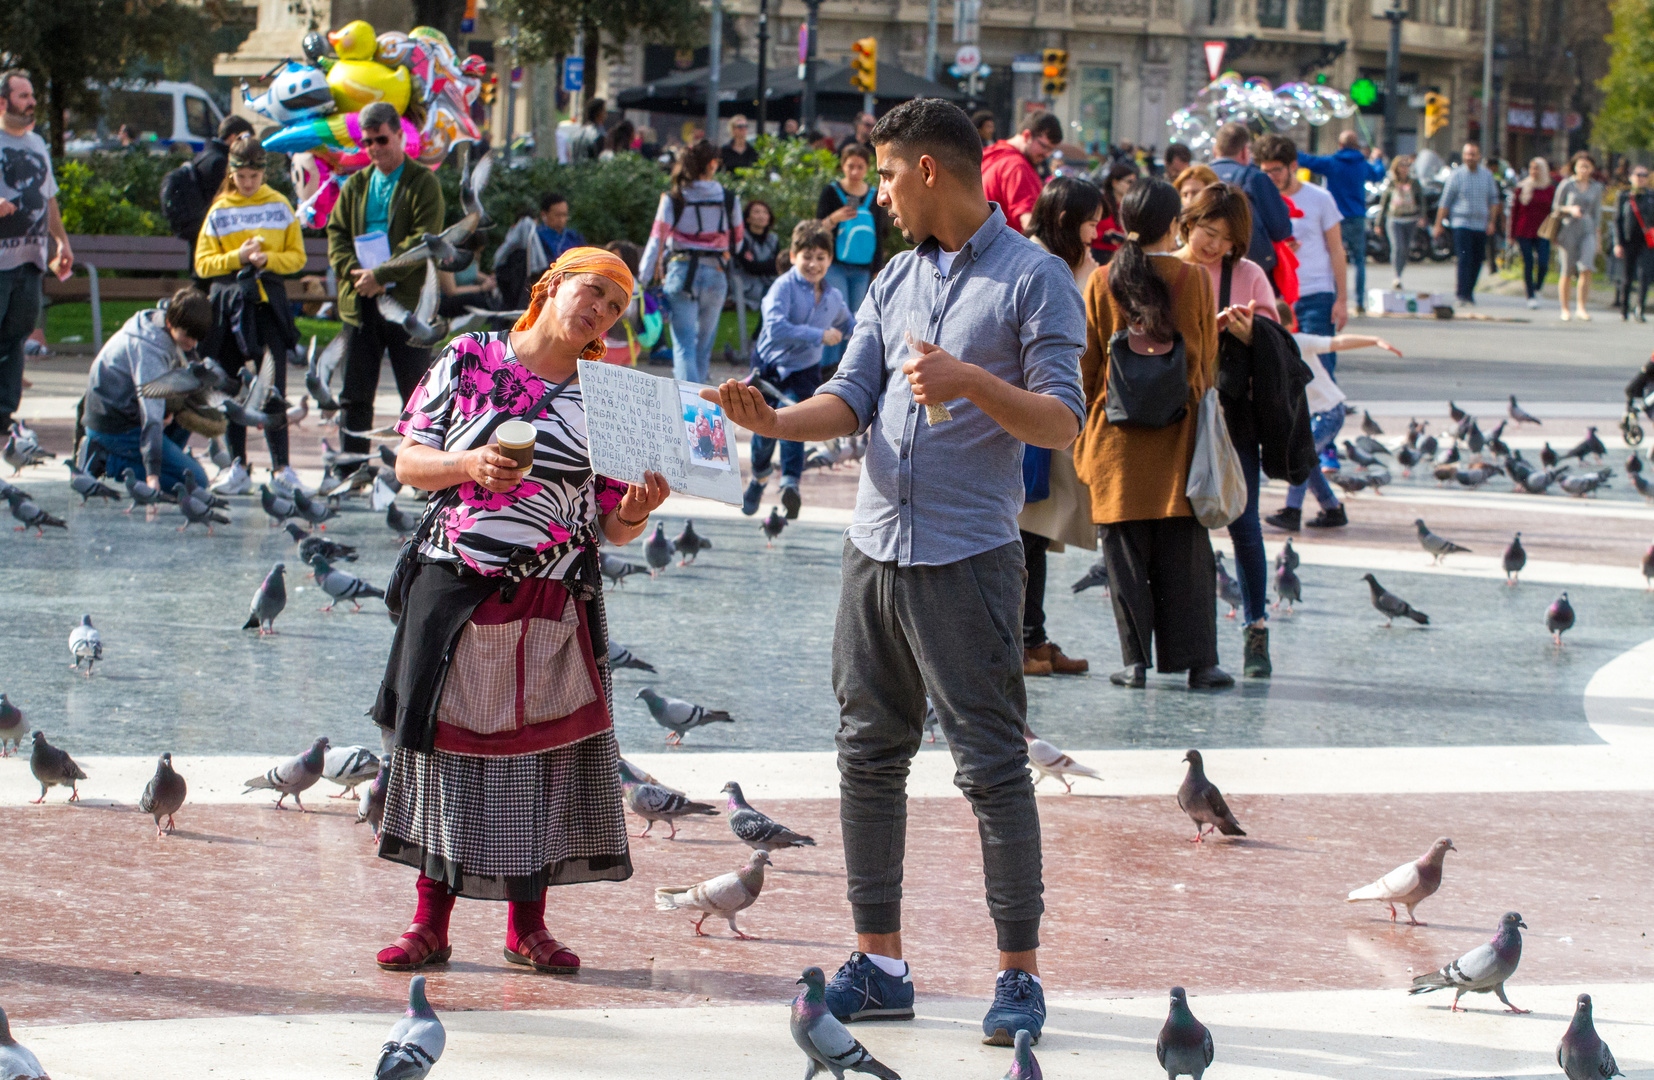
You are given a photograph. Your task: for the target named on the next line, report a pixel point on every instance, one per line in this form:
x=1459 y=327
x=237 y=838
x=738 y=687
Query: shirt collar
x=981 y=240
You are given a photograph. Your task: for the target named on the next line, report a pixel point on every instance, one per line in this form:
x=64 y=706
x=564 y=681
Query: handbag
x=1648 y=234
x=1149 y=390
x=1217 y=482
x=1551 y=226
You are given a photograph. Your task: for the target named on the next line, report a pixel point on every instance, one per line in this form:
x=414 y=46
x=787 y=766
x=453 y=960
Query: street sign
x=1027 y=64
x=968 y=57
x=574 y=75
x=1214 y=57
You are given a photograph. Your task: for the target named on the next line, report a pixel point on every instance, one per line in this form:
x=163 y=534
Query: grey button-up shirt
x=935 y=495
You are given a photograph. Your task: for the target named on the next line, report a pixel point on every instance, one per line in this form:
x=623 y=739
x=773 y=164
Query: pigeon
x=1588 y=445
x=203 y=494
x=657 y=550
x=1228 y=588
x=1351 y=483
x=1372 y=446
x=1516 y=467
x=163 y=795
x=1288 y=590
x=219 y=454
x=85 y=643
x=1521 y=415
x=1516 y=557
x=7 y=490
x=401 y=523
x=232 y=480
x=1377 y=478
x=32 y=516
x=294 y=775
x=1203 y=802
x=756 y=829
x=16 y=1062
x=278 y=506
x=88 y=486
x=54 y=768
x=342 y=586
x=1581 y=486
x=1369 y=426
x=416 y=1041
x=386 y=487
x=932 y=722
x=297 y=413
x=616 y=569
x=1633 y=464
x=1535 y=482
x=1184 y=1047
x=1391 y=606
x=349 y=767
x=1582 y=1054
x=1483 y=969
x=1438 y=547
x=268 y=601
x=1047 y=760
x=1648 y=575
x=423 y=325
x=310 y=546
x=1474 y=440
x=621 y=657
x=142 y=494
x=1475 y=477
x=771 y=526
x=13 y=726
x=827 y=1043
x=343 y=486
x=1448 y=456
x=1023 y=1064
x=1409 y=884
x=335 y=460
x=1096 y=576
x=1456 y=413
x=655 y=802
x=1407 y=457
x=1559 y=617
x=1548 y=457
x=197 y=511
x=19 y=455
x=1496 y=443
x=1287 y=557
x=725 y=896
x=680 y=717
x=371 y=806
x=315 y=511
x=1427 y=447
x=1358 y=455
x=319 y=369
x=689 y=544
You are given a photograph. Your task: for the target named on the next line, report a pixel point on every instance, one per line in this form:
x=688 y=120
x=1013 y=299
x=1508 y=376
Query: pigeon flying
x=1047 y=760
x=85 y=643
x=680 y=717
x=54 y=768
x=268 y=601
x=758 y=830
x=415 y=1041
x=1184 y=1047
x=1559 y=618
x=725 y=896
x=1516 y=557
x=294 y=775
x=1203 y=802
x=1582 y=1054
x=1483 y=969
x=1391 y=606
x=163 y=795
x=1409 y=884
x=827 y=1044
x=653 y=802
x=1438 y=547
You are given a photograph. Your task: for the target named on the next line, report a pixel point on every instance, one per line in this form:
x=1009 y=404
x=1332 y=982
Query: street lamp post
x=714 y=71
x=1392 y=78
x=930 y=42
x=763 y=59
x=1488 y=122
x=807 y=121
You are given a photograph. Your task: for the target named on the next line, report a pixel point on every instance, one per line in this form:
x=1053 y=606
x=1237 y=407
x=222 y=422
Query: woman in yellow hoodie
x=249 y=242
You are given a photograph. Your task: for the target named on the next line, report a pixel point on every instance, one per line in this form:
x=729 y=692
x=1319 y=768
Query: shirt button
x=904 y=455
x=912 y=409
x=904 y=502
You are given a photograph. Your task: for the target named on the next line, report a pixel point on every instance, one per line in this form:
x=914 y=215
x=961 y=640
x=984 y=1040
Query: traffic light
x=489 y=90
x=864 y=65
x=1437 y=110
x=1054 y=75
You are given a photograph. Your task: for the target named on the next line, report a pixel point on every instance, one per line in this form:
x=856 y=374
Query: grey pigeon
x=1535 y=482
x=757 y=829
x=349 y=767
x=32 y=516
x=1582 y=1054
x=1358 y=455
x=1449 y=455
x=1483 y=969
x=268 y=601
x=342 y=586
x=203 y=494
x=1644 y=488
x=197 y=511
x=1203 y=802
x=1588 y=445
x=1095 y=577
x=1516 y=467
x=88 y=486
x=932 y=722
x=1559 y=618
x=337 y=486
x=314 y=510
x=219 y=454
x=319 y=371
x=1391 y=606
x=13 y=726
x=1023 y=1064
x=1633 y=464
x=679 y=717
x=689 y=544
x=163 y=795
x=725 y=896
x=1372 y=446
x=1516 y=557
x=1228 y=588
x=1475 y=477
x=279 y=507
x=1407 y=457
x=1377 y=477
x=827 y=1043
x=657 y=550
x=401 y=523
x=1474 y=440
x=1288 y=591
x=371 y=807
x=616 y=569
x=1581 y=486
x=1288 y=557
x=416 y=1040
x=1496 y=442
x=1521 y=415
x=621 y=657
x=1438 y=547
x=294 y=775
x=1349 y=482
x=54 y=768
x=1409 y=884
x=771 y=526
x=655 y=802
x=16 y=1062
x=85 y=643
x=1369 y=426
x=1548 y=457
x=20 y=455
x=1184 y=1047
x=309 y=546
x=1427 y=448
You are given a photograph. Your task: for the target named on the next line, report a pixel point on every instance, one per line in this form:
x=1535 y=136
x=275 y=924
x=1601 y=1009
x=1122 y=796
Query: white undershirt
x=944 y=260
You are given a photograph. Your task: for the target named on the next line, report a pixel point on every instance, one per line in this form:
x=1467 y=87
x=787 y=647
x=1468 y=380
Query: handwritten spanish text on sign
x=637 y=422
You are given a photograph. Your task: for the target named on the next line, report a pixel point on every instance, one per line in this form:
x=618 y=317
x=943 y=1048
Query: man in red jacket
x=1008 y=176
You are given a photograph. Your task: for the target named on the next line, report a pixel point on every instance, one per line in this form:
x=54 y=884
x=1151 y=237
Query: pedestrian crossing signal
x=1437 y=111
x=1054 y=74
x=864 y=65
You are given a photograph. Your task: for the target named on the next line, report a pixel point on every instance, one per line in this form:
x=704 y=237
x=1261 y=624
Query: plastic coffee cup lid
x=516 y=433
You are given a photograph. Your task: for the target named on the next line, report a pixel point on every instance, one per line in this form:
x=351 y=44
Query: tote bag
x=1217 y=484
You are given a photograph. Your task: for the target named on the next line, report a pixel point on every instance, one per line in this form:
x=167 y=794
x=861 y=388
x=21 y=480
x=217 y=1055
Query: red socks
x=524 y=919
x=436 y=904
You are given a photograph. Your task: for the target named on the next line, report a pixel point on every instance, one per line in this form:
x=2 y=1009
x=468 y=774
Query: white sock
x=1036 y=978
x=888 y=965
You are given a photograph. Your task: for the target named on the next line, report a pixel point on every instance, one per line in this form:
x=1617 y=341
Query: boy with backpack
x=802 y=313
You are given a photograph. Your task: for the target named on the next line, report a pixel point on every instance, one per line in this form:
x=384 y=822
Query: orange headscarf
x=580 y=260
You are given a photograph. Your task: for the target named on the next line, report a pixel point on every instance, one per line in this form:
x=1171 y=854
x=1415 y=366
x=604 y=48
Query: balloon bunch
x=1254 y=102
x=318 y=104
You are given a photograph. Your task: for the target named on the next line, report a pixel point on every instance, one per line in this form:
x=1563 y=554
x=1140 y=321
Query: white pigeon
x=416 y=1041
x=724 y=896
x=1047 y=760
x=349 y=766
x=16 y=1062
x=85 y=644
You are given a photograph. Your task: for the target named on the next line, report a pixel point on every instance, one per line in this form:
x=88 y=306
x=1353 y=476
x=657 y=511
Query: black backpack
x=183 y=202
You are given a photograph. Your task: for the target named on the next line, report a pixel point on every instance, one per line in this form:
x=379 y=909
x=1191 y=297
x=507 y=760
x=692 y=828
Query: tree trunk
x=55 y=112
x=591 y=44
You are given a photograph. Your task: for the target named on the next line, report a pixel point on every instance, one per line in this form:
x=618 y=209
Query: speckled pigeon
x=1096 y=576
x=622 y=657
x=827 y=1043
x=689 y=544
x=653 y=803
x=756 y=829
x=13 y=726
x=1203 y=802
x=1582 y=1053
x=85 y=643
x=1483 y=969
x=163 y=795
x=415 y=1042
x=32 y=516
x=1391 y=606
x=349 y=767
x=657 y=550
x=54 y=768
x=725 y=896
x=294 y=775
x=1438 y=547
x=1516 y=557
x=342 y=586
x=1047 y=760
x=1184 y=1047
x=88 y=486
x=1409 y=884
x=268 y=601
x=679 y=717
x=16 y=1062
x=1559 y=617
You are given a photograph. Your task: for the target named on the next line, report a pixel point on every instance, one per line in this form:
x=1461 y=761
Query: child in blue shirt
x=801 y=314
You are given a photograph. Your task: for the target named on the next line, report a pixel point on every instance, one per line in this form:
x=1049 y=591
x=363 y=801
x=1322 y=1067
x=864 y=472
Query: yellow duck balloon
x=357 y=80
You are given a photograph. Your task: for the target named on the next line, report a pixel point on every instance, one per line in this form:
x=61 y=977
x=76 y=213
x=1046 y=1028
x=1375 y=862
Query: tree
x=1626 y=119
x=543 y=31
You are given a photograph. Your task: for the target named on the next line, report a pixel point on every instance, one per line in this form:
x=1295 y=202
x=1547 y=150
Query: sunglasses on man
x=376 y=140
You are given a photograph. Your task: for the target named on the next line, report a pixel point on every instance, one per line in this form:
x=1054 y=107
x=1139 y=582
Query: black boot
x=1209 y=678
x=1329 y=519
x=1289 y=518
x=1134 y=676
x=1257 y=664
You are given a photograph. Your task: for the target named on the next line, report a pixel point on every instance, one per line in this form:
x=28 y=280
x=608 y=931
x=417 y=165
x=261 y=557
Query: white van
x=164 y=114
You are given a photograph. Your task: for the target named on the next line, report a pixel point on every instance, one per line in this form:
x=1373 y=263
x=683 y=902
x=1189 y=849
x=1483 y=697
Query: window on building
x=1096 y=108
x=1312 y=15
x=1443 y=12
x=1272 y=14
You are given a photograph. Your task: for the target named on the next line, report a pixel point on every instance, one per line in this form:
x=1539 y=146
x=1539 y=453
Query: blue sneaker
x=860 y=990
x=1019 y=1004
x=752 y=496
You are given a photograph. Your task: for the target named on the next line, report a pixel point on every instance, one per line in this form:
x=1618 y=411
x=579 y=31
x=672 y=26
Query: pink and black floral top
x=475 y=386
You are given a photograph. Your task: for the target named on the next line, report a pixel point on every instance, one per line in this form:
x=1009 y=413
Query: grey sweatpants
x=954 y=632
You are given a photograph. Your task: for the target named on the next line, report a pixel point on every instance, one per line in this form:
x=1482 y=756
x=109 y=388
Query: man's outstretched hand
x=745 y=406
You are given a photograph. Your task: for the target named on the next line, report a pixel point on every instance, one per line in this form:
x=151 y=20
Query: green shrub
x=92 y=205
x=134 y=177
x=608 y=200
x=789 y=176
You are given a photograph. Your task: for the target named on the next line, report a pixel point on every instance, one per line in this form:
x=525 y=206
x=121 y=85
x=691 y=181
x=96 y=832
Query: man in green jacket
x=382 y=211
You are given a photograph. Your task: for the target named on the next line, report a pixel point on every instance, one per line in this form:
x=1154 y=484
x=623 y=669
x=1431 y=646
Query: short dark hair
x=189 y=310
x=7 y=76
x=629 y=253
x=380 y=114
x=810 y=234
x=983 y=116
x=1043 y=123
x=596 y=110
x=935 y=127
x=1273 y=147
x=231 y=126
x=856 y=149
x=1231 y=138
x=1178 y=152
x=549 y=200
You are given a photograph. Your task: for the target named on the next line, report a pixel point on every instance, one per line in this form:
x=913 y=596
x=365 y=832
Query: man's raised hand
x=744 y=405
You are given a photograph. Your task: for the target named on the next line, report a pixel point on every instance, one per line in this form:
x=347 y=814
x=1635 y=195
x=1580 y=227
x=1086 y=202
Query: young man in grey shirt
x=982 y=321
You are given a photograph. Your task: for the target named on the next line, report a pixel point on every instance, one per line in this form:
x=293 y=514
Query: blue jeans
x=1470 y=247
x=1324 y=426
x=695 y=307
x=1314 y=311
x=1536 y=262
x=122 y=452
x=800 y=385
x=853 y=282
x=1246 y=534
x=1354 y=232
